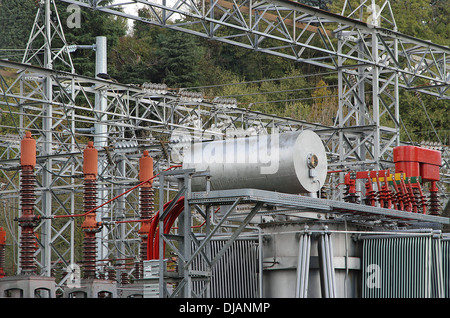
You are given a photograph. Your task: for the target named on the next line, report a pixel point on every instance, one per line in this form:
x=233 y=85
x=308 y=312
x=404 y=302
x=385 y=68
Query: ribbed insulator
x=124 y=278
x=27 y=222
x=27 y=250
x=433 y=203
x=111 y=273
x=89 y=244
x=89 y=255
x=147 y=202
x=2 y=260
x=138 y=269
x=371 y=196
x=350 y=197
x=90 y=194
x=147 y=211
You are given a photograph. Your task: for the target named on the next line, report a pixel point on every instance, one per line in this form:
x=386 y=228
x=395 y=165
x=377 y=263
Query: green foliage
x=16 y=20
x=93 y=24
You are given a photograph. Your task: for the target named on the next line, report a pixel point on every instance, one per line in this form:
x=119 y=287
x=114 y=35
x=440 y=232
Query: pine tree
x=16 y=20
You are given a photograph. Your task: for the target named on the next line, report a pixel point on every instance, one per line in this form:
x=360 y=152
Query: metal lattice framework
x=62 y=110
x=363 y=44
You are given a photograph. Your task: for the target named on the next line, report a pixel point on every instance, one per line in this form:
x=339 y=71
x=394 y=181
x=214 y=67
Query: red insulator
x=27 y=220
x=146 y=202
x=434 y=204
x=370 y=194
x=2 y=252
x=89 y=255
x=147 y=211
x=350 y=188
x=90 y=226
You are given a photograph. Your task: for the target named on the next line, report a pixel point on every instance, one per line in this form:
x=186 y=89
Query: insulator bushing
x=90 y=161
x=28 y=150
x=433 y=201
x=146 y=204
x=146 y=169
x=2 y=252
x=89 y=255
x=90 y=226
x=27 y=220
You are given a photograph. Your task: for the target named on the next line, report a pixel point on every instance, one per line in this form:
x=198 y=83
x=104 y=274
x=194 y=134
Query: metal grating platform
x=304 y=203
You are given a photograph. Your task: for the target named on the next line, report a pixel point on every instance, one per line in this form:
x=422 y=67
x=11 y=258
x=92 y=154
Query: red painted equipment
x=423 y=162
x=416 y=161
x=403 y=190
x=146 y=200
x=90 y=225
x=27 y=221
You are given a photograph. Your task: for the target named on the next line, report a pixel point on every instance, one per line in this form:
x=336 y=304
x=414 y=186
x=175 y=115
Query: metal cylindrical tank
x=292 y=162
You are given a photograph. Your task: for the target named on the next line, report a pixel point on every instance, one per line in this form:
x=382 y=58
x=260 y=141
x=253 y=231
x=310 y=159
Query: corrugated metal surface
x=304 y=254
x=235 y=275
x=405 y=266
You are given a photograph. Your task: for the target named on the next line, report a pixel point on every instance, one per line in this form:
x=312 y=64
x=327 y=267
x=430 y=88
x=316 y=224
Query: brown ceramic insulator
x=27 y=221
x=111 y=273
x=89 y=255
x=147 y=202
x=27 y=250
x=90 y=227
x=2 y=252
x=124 y=278
x=138 y=269
x=90 y=194
x=433 y=203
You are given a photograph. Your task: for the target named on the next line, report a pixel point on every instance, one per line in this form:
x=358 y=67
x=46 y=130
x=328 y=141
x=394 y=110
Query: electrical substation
x=178 y=195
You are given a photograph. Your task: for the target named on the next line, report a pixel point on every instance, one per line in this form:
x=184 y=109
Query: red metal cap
x=28 y=150
x=418 y=161
x=145 y=168
x=90 y=163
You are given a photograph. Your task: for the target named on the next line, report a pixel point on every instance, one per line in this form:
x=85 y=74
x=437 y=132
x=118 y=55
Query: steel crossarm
x=290 y=29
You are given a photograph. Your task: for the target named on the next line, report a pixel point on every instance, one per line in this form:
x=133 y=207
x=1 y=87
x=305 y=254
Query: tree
x=93 y=24
x=178 y=56
x=16 y=20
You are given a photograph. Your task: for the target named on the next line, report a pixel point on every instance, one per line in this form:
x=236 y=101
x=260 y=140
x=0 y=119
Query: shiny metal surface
x=290 y=162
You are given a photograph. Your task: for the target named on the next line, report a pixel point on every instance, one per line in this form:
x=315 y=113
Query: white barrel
x=293 y=162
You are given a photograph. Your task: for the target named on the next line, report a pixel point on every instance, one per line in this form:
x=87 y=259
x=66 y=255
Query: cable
x=281 y=91
x=290 y=100
x=152 y=240
x=261 y=81
x=116 y=197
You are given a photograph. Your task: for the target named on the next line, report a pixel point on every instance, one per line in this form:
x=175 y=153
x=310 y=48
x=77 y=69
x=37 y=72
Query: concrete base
x=92 y=288
x=24 y=286
x=135 y=290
